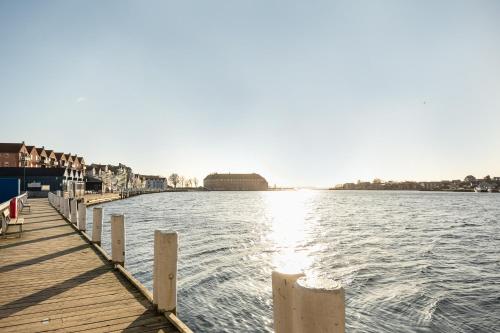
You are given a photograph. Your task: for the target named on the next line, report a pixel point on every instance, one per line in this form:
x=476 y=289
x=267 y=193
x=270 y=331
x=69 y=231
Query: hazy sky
x=309 y=93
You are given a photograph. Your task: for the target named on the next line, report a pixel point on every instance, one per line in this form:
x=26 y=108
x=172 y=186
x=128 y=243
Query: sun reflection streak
x=288 y=213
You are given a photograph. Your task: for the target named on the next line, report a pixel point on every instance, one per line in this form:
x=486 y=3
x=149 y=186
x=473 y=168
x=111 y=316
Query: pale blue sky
x=305 y=93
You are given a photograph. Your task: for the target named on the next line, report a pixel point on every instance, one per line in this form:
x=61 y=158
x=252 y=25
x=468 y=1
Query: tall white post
x=96 y=225
x=319 y=306
x=165 y=271
x=118 y=239
x=82 y=216
x=74 y=214
x=283 y=288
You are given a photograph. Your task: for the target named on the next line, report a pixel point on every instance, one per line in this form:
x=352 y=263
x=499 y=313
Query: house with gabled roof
x=14 y=155
x=61 y=159
x=43 y=156
x=51 y=160
x=76 y=162
x=34 y=161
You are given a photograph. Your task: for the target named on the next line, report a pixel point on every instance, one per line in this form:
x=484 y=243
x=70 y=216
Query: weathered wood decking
x=52 y=280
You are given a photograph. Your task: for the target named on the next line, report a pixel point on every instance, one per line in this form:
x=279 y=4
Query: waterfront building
x=77 y=162
x=14 y=155
x=115 y=178
x=61 y=159
x=34 y=158
x=349 y=186
x=235 y=182
x=40 y=170
x=93 y=184
x=154 y=183
x=38 y=179
x=43 y=157
x=69 y=160
x=81 y=163
x=51 y=160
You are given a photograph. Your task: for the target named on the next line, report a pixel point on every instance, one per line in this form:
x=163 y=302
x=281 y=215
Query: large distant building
x=235 y=182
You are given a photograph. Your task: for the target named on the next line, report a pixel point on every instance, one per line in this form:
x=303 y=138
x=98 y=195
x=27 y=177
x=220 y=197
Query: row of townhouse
x=20 y=155
x=39 y=169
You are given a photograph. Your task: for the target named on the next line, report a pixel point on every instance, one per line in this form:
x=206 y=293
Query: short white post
x=82 y=216
x=283 y=288
x=118 y=239
x=165 y=271
x=74 y=214
x=96 y=225
x=318 y=306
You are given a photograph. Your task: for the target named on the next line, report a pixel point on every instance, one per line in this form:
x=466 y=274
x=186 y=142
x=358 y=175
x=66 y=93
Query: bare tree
x=174 y=179
x=195 y=182
x=189 y=182
x=182 y=180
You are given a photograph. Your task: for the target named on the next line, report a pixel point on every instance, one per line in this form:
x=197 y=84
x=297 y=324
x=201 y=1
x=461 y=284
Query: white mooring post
x=96 y=225
x=74 y=214
x=303 y=305
x=319 y=306
x=165 y=271
x=118 y=239
x=82 y=216
x=283 y=285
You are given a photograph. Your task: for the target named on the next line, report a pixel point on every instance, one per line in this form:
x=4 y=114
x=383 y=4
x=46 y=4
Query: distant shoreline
x=411 y=190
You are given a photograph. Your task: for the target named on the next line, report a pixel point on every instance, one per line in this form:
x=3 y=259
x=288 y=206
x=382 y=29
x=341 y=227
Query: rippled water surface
x=409 y=261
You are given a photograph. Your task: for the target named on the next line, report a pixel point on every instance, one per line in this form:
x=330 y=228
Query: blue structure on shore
x=37 y=179
x=9 y=188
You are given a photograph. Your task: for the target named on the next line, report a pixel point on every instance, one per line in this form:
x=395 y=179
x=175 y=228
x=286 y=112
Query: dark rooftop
x=10 y=147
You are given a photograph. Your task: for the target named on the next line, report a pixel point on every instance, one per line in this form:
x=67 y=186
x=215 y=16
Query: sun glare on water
x=288 y=212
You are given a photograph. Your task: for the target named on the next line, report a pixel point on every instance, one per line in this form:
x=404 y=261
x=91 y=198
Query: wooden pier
x=52 y=279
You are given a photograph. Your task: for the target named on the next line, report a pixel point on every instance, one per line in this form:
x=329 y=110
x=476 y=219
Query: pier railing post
x=118 y=239
x=74 y=215
x=66 y=208
x=82 y=216
x=165 y=271
x=96 y=225
x=283 y=285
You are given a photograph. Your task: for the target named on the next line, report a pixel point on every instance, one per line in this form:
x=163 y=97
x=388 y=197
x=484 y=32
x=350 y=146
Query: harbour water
x=409 y=261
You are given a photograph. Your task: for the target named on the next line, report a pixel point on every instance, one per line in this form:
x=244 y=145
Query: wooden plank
x=68 y=312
